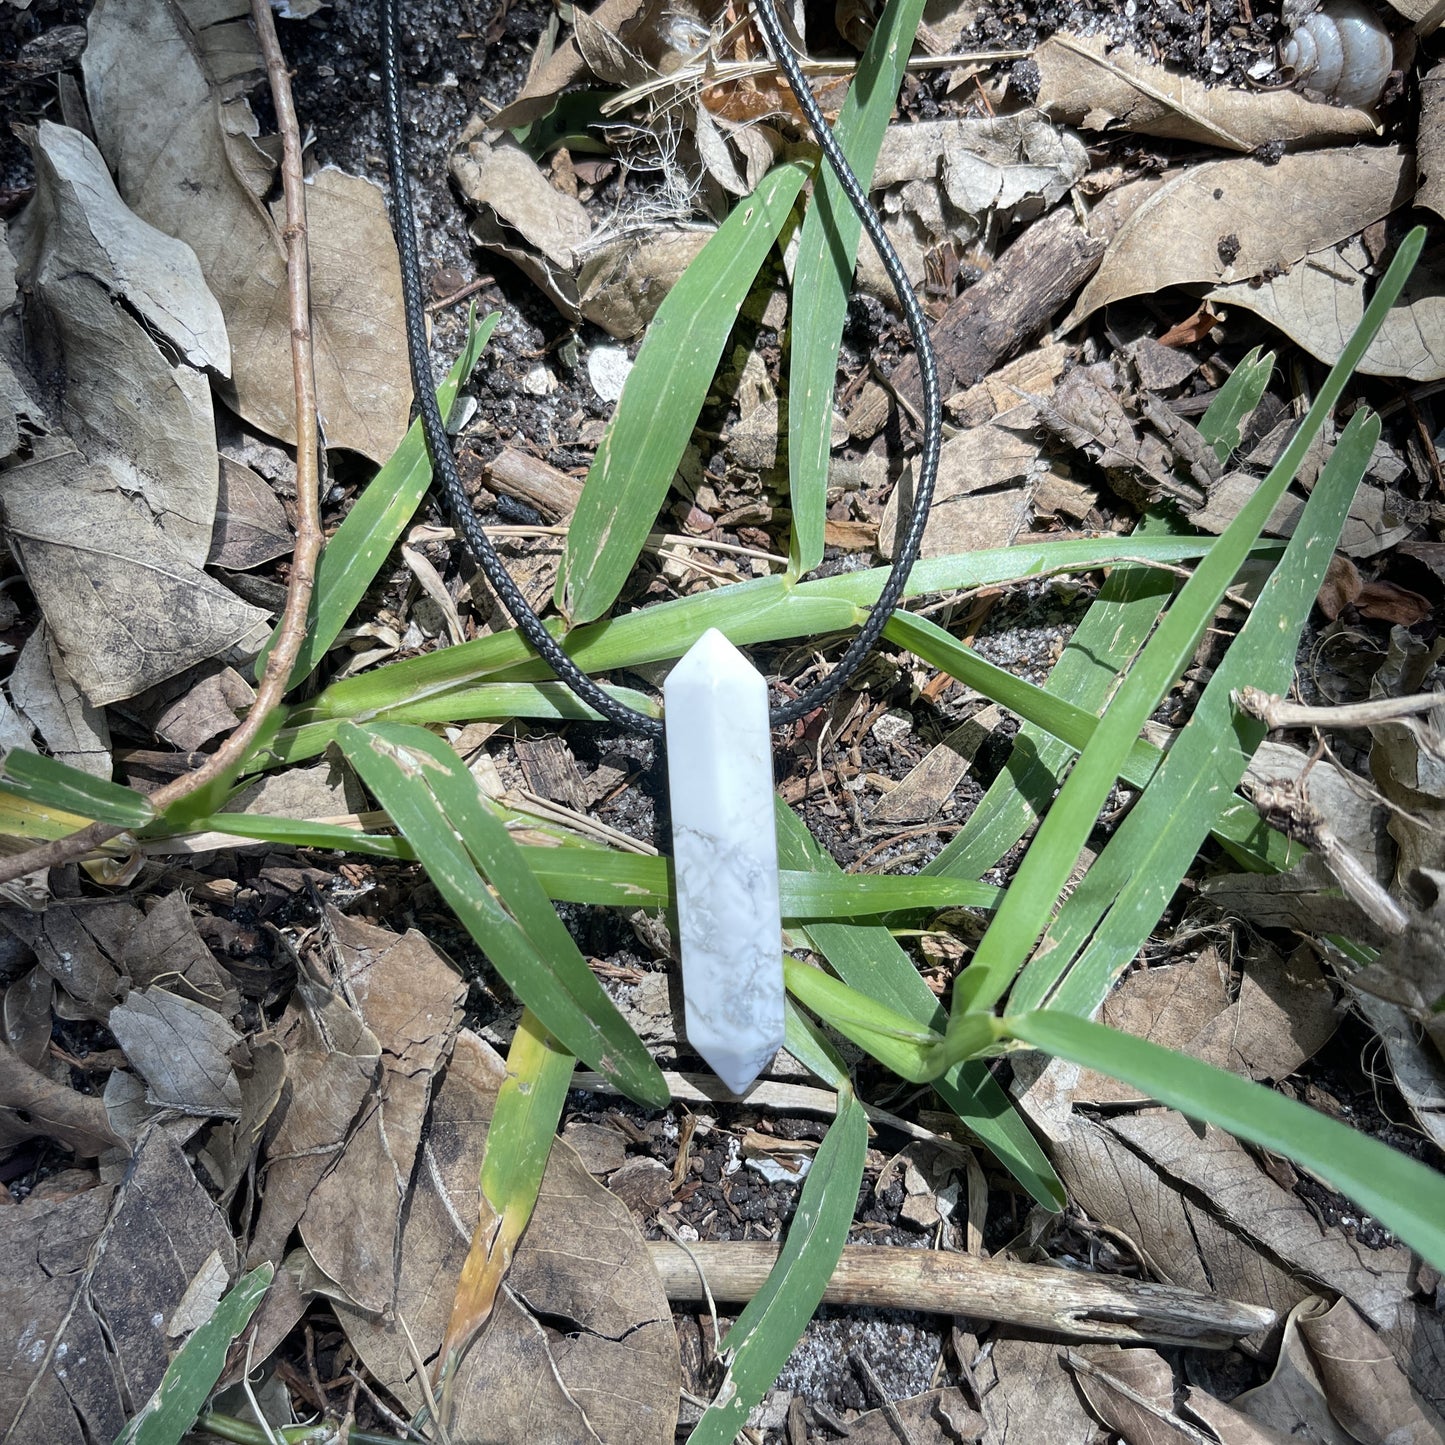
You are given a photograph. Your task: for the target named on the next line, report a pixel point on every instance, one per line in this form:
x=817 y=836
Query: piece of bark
x=1065 y=1301
x=529 y=479
x=1013 y=302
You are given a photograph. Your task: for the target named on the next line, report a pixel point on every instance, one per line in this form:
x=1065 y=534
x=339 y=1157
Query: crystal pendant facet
x=725 y=852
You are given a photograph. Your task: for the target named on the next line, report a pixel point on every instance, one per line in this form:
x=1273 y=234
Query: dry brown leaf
x=181 y=152
x=983 y=457
x=1293 y=1403
x=522 y=215
x=1028 y=1396
x=1085 y=81
x=1430 y=143
x=1378 y=1282
x=44 y=692
x=959 y=177
x=181 y=1049
x=34 y=1105
x=1408 y=763
x=1410 y=970
x=44 y=1303
x=327 y=789
x=1184 y=1242
x=113 y=528
x=1185 y=1007
x=615 y=1368
x=621 y=284
x=410 y=998
x=1284 y=1014
x=125 y=609
x=27 y=1019
x=1372 y=525
x=333 y=1067
x=1261 y=217
x=931 y=781
x=162 y=946
x=1367 y=1390
x=70 y=955
x=1321 y=299
x=1120 y=1386
x=106 y=285
x=1425 y=15
x=562 y=68
x=94 y=1291
x=251 y=526
x=230 y=1149
x=219 y=698
x=940 y=1417
x=1417 y=1070
x=1229 y=1425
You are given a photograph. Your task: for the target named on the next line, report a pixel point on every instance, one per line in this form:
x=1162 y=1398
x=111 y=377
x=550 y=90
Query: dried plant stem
x=292 y=630
x=1279 y=712
x=1068 y=1302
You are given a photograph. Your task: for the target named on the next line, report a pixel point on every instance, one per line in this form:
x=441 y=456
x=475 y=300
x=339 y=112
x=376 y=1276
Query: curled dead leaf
x=1320 y=299
x=1271 y=216
x=1086 y=81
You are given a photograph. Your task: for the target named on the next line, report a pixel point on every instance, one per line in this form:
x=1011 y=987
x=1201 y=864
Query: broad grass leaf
x=662 y=398
x=1404 y=1195
x=170 y=1413
x=759 y=1343
x=823 y=276
x=477 y=868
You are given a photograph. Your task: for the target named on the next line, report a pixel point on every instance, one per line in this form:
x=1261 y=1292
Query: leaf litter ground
x=250 y=904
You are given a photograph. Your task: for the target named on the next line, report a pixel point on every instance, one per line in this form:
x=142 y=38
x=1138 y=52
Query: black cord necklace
x=444 y=461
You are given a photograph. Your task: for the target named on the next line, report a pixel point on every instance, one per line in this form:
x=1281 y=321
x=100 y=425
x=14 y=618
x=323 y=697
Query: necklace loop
x=444 y=466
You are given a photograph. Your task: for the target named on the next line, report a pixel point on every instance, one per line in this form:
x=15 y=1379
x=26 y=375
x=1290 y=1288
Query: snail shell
x=1342 y=53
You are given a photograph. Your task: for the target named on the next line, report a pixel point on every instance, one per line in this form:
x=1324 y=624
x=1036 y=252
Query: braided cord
x=438 y=445
x=907 y=552
x=443 y=459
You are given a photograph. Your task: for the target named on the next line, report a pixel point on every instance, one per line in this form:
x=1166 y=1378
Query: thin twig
x=1279 y=712
x=890 y=1410
x=291 y=631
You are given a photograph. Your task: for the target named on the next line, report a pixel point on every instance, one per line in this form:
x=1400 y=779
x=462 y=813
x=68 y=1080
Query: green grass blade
x=53 y=784
x=759 y=1343
x=1238 y=397
x=894 y=1040
x=520 y=1134
x=868 y=958
x=823 y=276
x=1057 y=716
x=662 y=397
x=813 y=1048
x=524 y=1120
x=543 y=701
x=432 y=799
x=1026 y=907
x=192 y=1375
x=354 y=554
x=766 y=610
x=1136 y=874
x=606 y=878
x=1238 y=824
x=302 y=833
x=1111 y=632
x=1405 y=1196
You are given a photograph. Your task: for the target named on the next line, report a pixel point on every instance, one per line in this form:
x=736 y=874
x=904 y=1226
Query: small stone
x=607 y=369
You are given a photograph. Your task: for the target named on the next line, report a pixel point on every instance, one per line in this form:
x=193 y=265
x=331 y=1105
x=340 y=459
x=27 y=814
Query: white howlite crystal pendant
x=725 y=852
